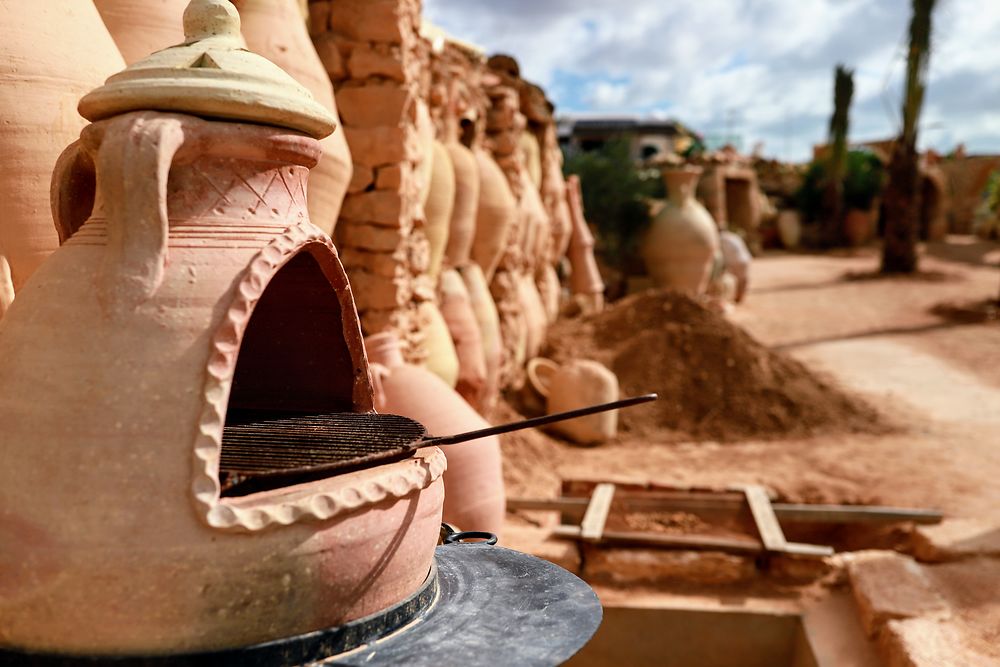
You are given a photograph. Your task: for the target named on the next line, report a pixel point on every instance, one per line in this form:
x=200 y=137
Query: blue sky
x=759 y=69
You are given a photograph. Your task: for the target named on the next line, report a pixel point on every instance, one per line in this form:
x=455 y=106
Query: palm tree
x=902 y=194
x=833 y=196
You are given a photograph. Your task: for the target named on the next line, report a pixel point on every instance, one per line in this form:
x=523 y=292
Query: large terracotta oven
x=192 y=293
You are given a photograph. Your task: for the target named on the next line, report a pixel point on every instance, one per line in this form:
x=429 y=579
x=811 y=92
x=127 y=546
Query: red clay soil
x=715 y=381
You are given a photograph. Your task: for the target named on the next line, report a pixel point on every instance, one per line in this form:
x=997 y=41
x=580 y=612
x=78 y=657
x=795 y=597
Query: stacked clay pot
x=52 y=52
x=485 y=311
x=462 y=230
x=456 y=307
x=442 y=358
x=496 y=214
x=682 y=242
x=276 y=30
x=577 y=384
x=439 y=207
x=141 y=27
x=473 y=482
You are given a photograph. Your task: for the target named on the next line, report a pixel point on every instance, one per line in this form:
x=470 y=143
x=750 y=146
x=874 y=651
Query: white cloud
x=762 y=68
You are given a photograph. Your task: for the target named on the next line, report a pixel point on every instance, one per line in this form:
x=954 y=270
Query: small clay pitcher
x=496 y=215
x=577 y=384
x=473 y=482
x=456 y=306
x=51 y=53
x=488 y=319
x=275 y=29
x=463 y=216
x=439 y=207
x=683 y=240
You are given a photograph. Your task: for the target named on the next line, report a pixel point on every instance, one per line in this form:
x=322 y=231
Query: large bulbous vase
x=51 y=53
x=682 y=242
x=276 y=30
x=140 y=27
x=473 y=482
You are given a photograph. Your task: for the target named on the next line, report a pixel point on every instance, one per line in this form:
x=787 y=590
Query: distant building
x=647 y=136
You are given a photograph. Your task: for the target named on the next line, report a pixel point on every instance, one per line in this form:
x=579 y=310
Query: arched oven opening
x=293 y=361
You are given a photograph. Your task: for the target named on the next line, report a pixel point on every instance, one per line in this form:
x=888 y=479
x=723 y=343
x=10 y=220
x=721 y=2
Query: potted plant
x=864 y=179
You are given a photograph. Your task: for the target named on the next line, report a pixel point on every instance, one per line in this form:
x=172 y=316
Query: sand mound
x=714 y=380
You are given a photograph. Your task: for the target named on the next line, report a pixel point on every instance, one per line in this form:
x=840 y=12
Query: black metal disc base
x=480 y=605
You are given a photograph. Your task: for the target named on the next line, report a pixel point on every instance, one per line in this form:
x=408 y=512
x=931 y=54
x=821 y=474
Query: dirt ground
x=876 y=338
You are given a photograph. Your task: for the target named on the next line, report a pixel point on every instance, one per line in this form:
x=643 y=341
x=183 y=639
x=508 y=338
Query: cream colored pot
x=577 y=384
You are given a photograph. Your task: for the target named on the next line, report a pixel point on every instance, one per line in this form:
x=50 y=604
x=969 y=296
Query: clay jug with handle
x=51 y=53
x=473 y=482
x=577 y=384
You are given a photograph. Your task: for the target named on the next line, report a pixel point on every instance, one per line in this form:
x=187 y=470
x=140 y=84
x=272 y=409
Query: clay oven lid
x=211 y=74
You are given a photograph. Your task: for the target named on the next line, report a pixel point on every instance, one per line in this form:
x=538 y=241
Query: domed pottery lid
x=211 y=74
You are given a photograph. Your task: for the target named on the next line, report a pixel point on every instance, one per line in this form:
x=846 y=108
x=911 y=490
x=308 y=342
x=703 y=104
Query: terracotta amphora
x=456 y=306
x=196 y=289
x=532 y=157
x=534 y=314
x=488 y=319
x=789 y=228
x=473 y=484
x=550 y=291
x=275 y=29
x=442 y=359
x=577 y=384
x=439 y=207
x=495 y=216
x=140 y=27
x=463 y=216
x=585 y=280
x=424 y=127
x=51 y=53
x=683 y=240
x=6 y=287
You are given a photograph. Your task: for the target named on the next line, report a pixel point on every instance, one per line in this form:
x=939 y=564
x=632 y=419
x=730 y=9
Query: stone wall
x=375 y=57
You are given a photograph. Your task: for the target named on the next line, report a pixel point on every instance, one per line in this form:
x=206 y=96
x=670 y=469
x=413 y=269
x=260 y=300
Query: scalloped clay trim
x=321 y=500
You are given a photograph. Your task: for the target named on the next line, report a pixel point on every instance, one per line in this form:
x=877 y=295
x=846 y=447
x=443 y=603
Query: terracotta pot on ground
x=442 y=359
x=462 y=230
x=577 y=384
x=789 y=228
x=275 y=29
x=485 y=311
x=859 y=227
x=439 y=207
x=181 y=299
x=683 y=240
x=456 y=306
x=473 y=483
x=140 y=27
x=51 y=53
x=496 y=214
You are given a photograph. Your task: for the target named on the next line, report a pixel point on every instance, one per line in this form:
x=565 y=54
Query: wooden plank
x=554 y=504
x=694 y=542
x=596 y=516
x=801 y=549
x=853 y=514
x=763 y=515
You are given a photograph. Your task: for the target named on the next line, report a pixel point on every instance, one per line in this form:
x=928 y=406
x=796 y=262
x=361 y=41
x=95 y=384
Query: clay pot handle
x=540 y=371
x=134 y=162
x=74 y=184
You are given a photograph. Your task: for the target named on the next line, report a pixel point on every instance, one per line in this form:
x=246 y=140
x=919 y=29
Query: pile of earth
x=715 y=381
